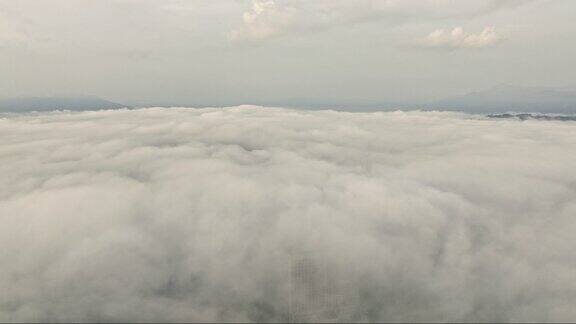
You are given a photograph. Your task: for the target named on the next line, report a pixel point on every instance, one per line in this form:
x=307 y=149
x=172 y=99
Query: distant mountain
x=80 y=103
x=513 y=99
x=537 y=116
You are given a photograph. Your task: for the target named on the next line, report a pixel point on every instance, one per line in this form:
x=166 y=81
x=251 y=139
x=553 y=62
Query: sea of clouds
x=268 y=214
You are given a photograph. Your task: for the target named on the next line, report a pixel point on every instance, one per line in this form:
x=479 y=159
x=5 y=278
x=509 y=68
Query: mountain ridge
x=506 y=98
x=79 y=103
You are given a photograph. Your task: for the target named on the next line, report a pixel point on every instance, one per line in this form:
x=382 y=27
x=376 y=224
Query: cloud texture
x=457 y=38
x=203 y=215
x=269 y=18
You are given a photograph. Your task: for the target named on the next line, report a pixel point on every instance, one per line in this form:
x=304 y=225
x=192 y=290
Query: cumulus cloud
x=265 y=214
x=457 y=38
x=270 y=18
x=265 y=20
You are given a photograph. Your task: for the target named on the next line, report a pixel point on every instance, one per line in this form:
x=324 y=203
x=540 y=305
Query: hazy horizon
x=498 y=99
x=361 y=161
x=283 y=52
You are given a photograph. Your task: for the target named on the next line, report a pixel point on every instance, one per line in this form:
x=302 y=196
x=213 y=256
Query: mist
x=269 y=214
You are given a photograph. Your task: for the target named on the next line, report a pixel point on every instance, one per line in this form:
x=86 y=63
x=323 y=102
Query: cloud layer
x=228 y=214
x=269 y=18
x=457 y=38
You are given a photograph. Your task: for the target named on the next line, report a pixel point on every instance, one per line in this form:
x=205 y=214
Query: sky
x=259 y=212
x=282 y=52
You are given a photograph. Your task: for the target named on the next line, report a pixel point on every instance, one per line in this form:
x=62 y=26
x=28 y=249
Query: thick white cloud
x=457 y=38
x=208 y=214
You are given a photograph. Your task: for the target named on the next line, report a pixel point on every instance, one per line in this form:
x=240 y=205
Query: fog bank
x=268 y=214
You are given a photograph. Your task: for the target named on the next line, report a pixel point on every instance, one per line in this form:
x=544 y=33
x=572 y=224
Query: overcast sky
x=225 y=52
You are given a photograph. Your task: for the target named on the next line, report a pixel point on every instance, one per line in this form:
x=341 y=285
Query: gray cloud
x=207 y=215
x=268 y=18
x=287 y=52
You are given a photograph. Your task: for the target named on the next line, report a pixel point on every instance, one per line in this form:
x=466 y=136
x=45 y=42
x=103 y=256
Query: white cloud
x=194 y=215
x=457 y=38
x=270 y=18
x=264 y=20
